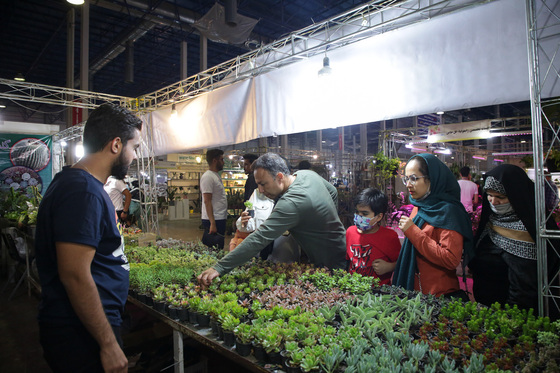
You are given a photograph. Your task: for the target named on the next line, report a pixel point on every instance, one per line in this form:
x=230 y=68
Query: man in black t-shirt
x=80 y=251
x=250 y=184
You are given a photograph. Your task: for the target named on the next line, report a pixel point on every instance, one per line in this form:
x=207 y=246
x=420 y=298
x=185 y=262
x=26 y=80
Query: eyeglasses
x=412 y=178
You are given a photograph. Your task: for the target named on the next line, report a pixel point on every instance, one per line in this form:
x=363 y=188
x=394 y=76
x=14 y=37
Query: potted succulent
x=244 y=337
x=229 y=323
x=249 y=206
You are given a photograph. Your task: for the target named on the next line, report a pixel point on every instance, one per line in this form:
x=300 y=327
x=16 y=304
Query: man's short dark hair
x=107 y=122
x=250 y=157
x=213 y=154
x=272 y=163
x=374 y=198
x=304 y=165
x=465 y=171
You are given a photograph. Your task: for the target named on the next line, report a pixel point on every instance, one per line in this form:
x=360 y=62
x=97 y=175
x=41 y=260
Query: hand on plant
x=381 y=267
x=404 y=223
x=113 y=359
x=206 y=277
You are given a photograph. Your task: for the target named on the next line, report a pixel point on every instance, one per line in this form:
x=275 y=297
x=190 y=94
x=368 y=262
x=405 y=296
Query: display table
x=201 y=335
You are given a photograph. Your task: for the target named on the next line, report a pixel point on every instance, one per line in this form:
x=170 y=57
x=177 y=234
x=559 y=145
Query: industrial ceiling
x=33 y=43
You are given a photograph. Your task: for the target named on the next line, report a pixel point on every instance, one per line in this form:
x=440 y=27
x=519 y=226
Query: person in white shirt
x=116 y=189
x=469 y=190
x=214 y=202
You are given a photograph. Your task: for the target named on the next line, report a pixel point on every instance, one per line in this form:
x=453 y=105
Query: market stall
x=297 y=318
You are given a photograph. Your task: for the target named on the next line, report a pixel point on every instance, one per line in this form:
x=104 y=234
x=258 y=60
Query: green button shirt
x=309 y=211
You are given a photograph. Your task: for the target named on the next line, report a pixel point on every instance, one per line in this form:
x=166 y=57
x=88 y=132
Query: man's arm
x=284 y=216
x=127 y=200
x=74 y=263
x=207 y=197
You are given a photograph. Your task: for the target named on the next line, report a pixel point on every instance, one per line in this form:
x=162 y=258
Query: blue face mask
x=361 y=222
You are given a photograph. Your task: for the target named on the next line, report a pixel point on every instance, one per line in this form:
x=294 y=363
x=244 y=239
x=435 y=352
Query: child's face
x=366 y=212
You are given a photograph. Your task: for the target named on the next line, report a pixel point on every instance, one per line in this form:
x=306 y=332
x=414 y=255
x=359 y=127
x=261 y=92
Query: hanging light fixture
x=76 y=2
x=173 y=111
x=19 y=77
x=326 y=70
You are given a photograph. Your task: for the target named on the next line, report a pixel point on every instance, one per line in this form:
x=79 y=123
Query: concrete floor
x=186 y=230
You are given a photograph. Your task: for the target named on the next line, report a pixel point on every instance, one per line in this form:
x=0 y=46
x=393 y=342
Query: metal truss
x=146 y=172
x=543 y=34
x=46 y=94
x=362 y=22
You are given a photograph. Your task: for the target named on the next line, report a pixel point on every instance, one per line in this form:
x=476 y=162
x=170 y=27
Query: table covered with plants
x=298 y=318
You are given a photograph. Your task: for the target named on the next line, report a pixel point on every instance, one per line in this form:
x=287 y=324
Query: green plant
x=386 y=167
x=548 y=339
x=249 y=205
x=229 y=323
x=244 y=332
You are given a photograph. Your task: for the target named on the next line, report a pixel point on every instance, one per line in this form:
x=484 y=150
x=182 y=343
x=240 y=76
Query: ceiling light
x=440 y=112
x=523 y=141
x=314 y=156
x=230 y=156
x=19 y=77
x=326 y=69
x=76 y=2
x=63 y=143
x=198 y=159
x=2 y=106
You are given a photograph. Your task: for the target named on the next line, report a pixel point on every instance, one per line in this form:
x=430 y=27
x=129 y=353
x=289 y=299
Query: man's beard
x=119 y=169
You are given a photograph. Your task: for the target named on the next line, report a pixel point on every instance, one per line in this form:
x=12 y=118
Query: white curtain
x=474 y=57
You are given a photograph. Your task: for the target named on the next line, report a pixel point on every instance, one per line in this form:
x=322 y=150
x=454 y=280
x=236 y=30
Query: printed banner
x=460 y=131
x=25 y=161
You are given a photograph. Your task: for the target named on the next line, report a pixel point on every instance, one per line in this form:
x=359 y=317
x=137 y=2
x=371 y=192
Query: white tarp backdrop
x=474 y=57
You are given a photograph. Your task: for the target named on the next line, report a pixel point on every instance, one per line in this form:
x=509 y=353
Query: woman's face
x=418 y=189
x=496 y=198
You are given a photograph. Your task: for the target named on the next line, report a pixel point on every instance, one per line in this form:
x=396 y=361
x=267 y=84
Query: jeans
x=70 y=348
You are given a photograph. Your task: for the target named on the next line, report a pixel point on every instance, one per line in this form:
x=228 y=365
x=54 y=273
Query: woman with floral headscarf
x=505 y=264
x=437 y=232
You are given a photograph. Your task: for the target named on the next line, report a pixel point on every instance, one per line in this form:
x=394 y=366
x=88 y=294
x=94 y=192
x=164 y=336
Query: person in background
x=505 y=264
x=262 y=207
x=306 y=205
x=116 y=189
x=372 y=250
x=80 y=255
x=469 y=190
x=214 y=202
x=250 y=184
x=304 y=165
x=550 y=192
x=437 y=232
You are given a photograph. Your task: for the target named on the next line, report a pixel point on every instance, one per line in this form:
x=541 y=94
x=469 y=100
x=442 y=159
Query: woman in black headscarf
x=505 y=264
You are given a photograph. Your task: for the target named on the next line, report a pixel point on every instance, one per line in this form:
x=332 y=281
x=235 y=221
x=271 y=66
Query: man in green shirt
x=306 y=205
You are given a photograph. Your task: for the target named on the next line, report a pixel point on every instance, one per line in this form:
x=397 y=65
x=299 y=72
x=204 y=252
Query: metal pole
x=70 y=41
x=535 y=94
x=84 y=52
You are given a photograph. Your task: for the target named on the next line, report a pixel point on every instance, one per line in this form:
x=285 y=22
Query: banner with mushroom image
x=25 y=161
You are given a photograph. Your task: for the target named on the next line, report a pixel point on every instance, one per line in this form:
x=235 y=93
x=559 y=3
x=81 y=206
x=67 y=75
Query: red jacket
x=438 y=253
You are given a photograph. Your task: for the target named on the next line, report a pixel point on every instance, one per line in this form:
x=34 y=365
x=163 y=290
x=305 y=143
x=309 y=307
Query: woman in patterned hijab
x=505 y=264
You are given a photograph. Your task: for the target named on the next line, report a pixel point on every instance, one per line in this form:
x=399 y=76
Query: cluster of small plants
x=300 y=294
x=334 y=322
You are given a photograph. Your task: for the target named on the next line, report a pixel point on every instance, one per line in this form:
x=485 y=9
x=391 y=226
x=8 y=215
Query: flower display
x=20 y=178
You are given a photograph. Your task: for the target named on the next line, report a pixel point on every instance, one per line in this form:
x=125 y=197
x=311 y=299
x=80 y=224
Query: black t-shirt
x=77 y=209
x=250 y=186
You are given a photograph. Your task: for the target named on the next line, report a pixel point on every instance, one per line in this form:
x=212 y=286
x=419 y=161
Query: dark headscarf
x=442 y=208
x=520 y=191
